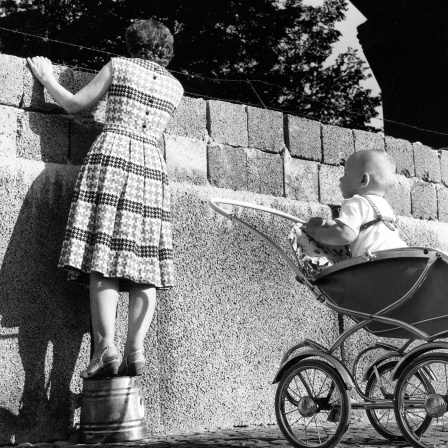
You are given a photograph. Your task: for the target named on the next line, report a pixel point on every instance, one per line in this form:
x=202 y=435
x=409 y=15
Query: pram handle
x=213 y=204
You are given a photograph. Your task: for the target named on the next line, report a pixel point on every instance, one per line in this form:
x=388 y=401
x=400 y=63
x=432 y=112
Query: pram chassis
x=396 y=365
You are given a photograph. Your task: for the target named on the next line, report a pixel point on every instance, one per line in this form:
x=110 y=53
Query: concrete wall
x=219 y=335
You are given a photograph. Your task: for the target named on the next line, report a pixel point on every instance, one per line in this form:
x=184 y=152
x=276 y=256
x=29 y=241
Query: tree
x=264 y=52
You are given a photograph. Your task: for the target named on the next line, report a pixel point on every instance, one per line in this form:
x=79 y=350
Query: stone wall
x=218 y=336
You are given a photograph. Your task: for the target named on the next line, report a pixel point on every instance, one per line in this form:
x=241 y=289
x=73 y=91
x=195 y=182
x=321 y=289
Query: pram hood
x=360 y=285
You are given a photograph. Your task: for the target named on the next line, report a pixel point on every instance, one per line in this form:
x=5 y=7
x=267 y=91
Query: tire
x=383 y=420
x=312 y=405
x=426 y=375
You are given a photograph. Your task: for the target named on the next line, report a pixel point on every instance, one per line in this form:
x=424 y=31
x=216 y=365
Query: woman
x=118 y=234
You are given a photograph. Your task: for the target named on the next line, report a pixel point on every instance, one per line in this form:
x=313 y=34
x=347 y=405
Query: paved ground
x=358 y=435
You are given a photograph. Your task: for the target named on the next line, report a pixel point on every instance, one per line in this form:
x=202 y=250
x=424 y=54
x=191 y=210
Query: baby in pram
x=366 y=222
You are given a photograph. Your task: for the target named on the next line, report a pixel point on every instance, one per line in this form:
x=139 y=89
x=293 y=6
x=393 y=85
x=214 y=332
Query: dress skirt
x=119 y=222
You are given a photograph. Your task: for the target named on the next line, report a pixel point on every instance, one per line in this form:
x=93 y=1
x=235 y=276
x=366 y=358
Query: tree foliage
x=261 y=52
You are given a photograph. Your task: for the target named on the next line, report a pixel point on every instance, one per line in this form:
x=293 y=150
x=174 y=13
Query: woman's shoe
x=132 y=365
x=104 y=366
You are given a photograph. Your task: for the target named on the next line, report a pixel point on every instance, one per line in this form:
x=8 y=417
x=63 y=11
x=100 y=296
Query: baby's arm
x=317 y=221
x=72 y=103
x=333 y=233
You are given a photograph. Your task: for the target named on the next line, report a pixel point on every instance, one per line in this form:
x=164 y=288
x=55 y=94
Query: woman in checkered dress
x=118 y=234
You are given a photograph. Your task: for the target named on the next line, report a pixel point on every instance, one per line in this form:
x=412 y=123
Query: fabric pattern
x=312 y=256
x=119 y=222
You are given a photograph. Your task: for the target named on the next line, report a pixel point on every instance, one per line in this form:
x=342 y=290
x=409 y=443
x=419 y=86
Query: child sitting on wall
x=366 y=221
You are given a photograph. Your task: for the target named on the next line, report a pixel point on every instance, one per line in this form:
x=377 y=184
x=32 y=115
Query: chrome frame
x=364 y=318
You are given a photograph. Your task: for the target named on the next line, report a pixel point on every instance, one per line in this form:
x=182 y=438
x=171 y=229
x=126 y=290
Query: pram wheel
x=383 y=420
x=421 y=401
x=312 y=405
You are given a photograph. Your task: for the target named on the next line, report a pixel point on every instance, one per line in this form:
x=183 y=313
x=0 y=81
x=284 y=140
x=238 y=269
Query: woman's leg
x=103 y=308
x=142 y=303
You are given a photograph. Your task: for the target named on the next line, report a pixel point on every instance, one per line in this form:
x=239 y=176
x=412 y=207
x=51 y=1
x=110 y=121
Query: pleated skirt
x=119 y=222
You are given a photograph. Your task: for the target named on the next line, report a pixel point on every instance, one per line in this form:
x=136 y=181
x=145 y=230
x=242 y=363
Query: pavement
x=358 y=435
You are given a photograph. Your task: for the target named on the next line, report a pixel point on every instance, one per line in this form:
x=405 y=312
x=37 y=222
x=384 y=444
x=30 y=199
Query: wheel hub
x=307 y=407
x=435 y=405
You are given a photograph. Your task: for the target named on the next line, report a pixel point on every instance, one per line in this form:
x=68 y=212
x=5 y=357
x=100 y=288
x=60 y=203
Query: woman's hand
x=88 y=95
x=41 y=67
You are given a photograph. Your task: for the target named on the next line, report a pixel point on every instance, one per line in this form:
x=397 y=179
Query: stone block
x=227 y=123
x=11 y=79
x=208 y=332
x=424 y=200
x=34 y=94
x=8 y=131
x=422 y=233
x=190 y=119
x=227 y=167
x=264 y=172
x=265 y=128
x=303 y=138
x=442 y=203
x=406 y=226
x=329 y=176
x=43 y=137
x=368 y=140
x=38 y=303
x=186 y=159
x=337 y=144
x=296 y=208
x=96 y=111
x=403 y=154
x=83 y=133
x=301 y=179
x=399 y=196
x=427 y=163
x=444 y=166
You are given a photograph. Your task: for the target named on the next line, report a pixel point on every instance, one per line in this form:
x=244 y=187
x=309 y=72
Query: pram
x=399 y=293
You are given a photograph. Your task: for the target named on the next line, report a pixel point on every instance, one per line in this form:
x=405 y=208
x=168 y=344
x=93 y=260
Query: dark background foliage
x=262 y=52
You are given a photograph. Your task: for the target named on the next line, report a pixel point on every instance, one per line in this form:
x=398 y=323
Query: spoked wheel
x=383 y=420
x=312 y=405
x=421 y=401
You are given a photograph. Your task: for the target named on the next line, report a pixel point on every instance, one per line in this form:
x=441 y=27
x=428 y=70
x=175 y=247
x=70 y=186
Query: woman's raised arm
x=71 y=103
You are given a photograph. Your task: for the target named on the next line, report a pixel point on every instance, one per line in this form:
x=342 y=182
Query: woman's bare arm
x=71 y=103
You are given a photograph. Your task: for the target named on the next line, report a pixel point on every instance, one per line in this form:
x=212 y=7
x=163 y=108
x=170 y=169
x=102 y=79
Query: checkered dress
x=119 y=221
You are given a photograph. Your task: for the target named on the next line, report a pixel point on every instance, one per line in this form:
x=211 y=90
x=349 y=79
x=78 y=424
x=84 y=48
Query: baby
x=366 y=220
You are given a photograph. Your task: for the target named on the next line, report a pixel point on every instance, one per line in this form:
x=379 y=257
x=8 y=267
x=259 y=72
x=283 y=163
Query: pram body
x=399 y=293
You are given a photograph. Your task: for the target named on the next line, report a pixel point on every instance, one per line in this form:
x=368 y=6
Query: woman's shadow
x=43 y=317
